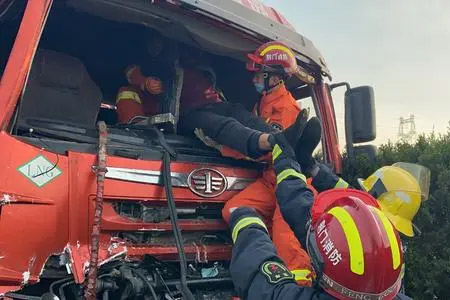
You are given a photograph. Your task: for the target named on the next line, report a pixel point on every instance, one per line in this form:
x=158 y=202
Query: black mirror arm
x=348 y=122
x=339 y=84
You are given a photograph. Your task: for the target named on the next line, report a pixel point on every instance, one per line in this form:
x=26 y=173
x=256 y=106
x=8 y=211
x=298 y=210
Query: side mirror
x=360 y=114
x=360 y=119
x=370 y=151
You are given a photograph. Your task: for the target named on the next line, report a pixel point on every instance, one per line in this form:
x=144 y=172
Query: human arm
x=134 y=76
x=256 y=270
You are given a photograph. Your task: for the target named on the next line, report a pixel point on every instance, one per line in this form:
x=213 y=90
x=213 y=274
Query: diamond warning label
x=40 y=171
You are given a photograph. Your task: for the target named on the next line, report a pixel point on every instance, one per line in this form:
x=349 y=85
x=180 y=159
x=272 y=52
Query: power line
x=407 y=129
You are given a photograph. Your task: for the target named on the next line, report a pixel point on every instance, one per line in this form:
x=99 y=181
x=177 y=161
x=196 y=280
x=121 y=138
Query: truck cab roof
x=250 y=22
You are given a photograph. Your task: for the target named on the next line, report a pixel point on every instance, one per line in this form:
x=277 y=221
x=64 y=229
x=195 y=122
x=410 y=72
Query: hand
x=211 y=93
x=153 y=85
x=206 y=139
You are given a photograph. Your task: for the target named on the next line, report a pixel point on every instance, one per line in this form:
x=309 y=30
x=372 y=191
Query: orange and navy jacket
x=256 y=269
x=277 y=108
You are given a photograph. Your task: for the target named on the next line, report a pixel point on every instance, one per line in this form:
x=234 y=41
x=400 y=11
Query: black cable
x=61 y=289
x=54 y=283
x=150 y=287
x=47 y=148
x=105 y=295
x=176 y=230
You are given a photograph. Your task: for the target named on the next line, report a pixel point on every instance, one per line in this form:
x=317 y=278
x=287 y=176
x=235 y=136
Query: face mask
x=259 y=87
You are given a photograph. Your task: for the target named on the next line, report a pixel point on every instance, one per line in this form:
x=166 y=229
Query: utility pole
x=407 y=129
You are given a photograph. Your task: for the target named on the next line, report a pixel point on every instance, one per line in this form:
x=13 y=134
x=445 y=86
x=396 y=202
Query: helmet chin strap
x=269 y=88
x=266 y=81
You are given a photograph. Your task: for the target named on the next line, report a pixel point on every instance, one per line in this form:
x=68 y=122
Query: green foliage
x=428 y=254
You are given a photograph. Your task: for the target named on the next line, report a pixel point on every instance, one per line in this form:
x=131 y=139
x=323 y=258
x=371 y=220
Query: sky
x=401 y=48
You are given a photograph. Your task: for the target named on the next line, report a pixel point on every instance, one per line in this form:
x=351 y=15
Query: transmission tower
x=407 y=129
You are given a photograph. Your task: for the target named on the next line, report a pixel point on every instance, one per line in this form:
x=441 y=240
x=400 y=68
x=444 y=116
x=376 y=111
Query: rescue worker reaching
x=201 y=107
x=273 y=63
x=354 y=248
x=398 y=189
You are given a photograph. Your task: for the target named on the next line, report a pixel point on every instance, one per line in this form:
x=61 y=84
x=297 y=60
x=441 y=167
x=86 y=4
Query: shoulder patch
x=276 y=272
x=276 y=126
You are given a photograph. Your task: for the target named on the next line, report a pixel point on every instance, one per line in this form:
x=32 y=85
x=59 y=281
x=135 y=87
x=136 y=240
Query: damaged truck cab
x=61 y=64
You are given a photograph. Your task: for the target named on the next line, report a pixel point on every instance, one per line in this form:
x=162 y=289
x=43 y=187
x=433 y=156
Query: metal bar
x=200 y=281
x=20 y=296
x=91 y=290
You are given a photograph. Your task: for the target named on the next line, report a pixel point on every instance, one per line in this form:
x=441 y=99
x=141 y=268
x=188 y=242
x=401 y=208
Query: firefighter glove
x=153 y=85
x=283 y=157
x=211 y=94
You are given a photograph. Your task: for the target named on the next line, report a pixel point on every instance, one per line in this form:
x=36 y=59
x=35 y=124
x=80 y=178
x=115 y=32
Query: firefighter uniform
x=131 y=102
x=140 y=97
x=280 y=110
x=256 y=269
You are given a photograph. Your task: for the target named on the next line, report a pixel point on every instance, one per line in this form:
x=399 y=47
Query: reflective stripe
x=290 y=172
x=302 y=274
x=395 y=249
x=244 y=223
x=341 y=184
x=276 y=152
x=353 y=239
x=277 y=47
x=128 y=95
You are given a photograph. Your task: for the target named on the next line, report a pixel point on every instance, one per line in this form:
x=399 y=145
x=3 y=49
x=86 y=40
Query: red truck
x=131 y=211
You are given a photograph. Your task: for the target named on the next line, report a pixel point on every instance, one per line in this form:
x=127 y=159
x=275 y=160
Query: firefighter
x=143 y=94
x=355 y=250
x=273 y=63
x=201 y=106
x=218 y=123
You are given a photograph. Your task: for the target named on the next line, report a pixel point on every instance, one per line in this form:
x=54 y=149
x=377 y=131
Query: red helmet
x=355 y=250
x=325 y=200
x=273 y=57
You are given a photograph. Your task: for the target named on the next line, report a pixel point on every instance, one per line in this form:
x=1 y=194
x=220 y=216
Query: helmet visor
x=420 y=173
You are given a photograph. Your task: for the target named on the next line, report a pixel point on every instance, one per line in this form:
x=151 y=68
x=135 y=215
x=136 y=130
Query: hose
x=54 y=283
x=61 y=289
x=187 y=294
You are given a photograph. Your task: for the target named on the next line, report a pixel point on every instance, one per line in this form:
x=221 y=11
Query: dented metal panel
x=254 y=16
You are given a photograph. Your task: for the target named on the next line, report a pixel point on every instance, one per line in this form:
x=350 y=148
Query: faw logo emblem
x=207 y=182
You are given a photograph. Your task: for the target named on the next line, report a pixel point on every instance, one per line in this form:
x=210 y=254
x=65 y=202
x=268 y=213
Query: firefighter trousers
x=260 y=195
x=228 y=124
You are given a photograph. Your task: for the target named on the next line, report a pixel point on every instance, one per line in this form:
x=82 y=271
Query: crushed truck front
x=48 y=180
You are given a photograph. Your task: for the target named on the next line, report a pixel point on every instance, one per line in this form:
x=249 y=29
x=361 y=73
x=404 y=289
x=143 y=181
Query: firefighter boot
x=306 y=145
x=293 y=133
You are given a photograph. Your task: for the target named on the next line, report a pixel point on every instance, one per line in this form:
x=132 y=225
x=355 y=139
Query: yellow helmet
x=399 y=192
